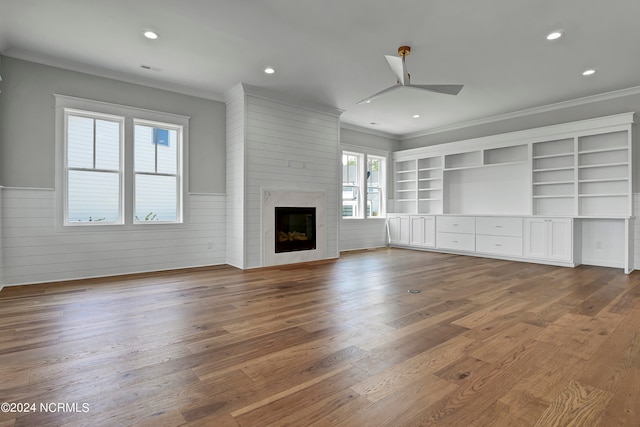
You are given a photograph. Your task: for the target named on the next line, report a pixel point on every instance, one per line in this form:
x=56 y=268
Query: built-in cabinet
x=521 y=191
x=535 y=239
x=548 y=238
x=456 y=233
x=422 y=231
x=499 y=236
x=399 y=229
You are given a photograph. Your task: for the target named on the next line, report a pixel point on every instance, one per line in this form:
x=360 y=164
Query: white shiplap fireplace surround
x=279 y=154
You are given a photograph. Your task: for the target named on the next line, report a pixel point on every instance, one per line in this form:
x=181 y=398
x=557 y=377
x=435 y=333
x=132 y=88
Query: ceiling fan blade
x=399 y=68
x=446 y=89
x=376 y=95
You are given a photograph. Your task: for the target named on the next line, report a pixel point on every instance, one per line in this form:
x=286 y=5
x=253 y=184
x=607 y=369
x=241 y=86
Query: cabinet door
x=430 y=231
x=423 y=231
x=535 y=237
x=417 y=231
x=549 y=238
x=559 y=245
x=398 y=230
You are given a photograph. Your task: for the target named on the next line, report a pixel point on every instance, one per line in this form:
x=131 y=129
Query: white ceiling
x=331 y=52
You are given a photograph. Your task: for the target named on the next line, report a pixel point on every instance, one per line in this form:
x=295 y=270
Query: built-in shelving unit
x=553 y=177
x=604 y=174
x=580 y=171
x=430 y=185
x=406 y=186
x=575 y=169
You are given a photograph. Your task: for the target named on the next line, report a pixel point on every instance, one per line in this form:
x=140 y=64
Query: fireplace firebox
x=295 y=229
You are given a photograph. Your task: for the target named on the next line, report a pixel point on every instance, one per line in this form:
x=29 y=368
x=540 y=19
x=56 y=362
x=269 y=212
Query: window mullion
x=94 y=143
x=155 y=145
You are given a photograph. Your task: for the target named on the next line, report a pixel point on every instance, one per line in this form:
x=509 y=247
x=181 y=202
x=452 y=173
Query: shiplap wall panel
x=36 y=249
x=235 y=103
x=362 y=234
x=1 y=239
x=636 y=230
x=289 y=148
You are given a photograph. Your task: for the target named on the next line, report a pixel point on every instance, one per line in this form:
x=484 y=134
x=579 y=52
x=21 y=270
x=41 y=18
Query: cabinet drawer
x=497 y=226
x=456 y=241
x=456 y=224
x=499 y=245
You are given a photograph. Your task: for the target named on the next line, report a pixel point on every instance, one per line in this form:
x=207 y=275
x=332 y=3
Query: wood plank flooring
x=485 y=343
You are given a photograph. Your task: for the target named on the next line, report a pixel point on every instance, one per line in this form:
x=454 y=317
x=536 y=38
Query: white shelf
x=406 y=171
x=406 y=191
x=551 y=156
x=603 y=180
x=429 y=169
x=429 y=199
x=564 y=168
x=603 y=195
x=429 y=189
x=405 y=180
x=604 y=165
x=553 y=183
x=559 y=196
x=603 y=150
x=429 y=179
x=491 y=165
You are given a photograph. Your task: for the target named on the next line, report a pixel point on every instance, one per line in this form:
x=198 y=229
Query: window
x=375 y=184
x=93 y=168
x=121 y=165
x=156 y=172
x=351 y=172
x=363 y=185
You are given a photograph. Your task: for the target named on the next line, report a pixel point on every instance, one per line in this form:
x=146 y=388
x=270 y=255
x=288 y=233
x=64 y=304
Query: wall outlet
x=209 y=245
x=598 y=244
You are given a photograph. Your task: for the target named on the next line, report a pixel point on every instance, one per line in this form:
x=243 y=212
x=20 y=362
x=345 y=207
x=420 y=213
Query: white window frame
x=65 y=205
x=382 y=187
x=129 y=114
x=179 y=171
x=364 y=154
x=360 y=201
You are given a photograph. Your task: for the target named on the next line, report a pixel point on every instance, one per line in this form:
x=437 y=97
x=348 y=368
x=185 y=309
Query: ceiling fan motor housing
x=404 y=51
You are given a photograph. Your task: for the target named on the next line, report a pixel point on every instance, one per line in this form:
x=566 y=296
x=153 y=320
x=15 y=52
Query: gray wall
x=27 y=122
x=590 y=110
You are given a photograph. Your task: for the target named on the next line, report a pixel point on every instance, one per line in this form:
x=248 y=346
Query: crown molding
x=527 y=112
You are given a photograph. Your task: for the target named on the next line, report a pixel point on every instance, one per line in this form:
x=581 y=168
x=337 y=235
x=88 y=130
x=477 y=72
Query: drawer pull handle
x=455 y=241
x=498 y=226
x=455 y=225
x=498 y=244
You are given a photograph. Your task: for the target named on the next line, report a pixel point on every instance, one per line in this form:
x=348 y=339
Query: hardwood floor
x=485 y=343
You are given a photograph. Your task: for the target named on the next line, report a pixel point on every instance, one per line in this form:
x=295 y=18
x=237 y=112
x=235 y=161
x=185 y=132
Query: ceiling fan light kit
x=399 y=67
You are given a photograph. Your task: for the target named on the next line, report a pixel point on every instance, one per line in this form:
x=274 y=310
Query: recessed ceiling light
x=588 y=72
x=367 y=102
x=269 y=70
x=554 y=35
x=416 y=116
x=150 y=34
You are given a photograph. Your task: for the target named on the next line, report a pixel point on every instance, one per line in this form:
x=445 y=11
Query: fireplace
x=294 y=213
x=295 y=229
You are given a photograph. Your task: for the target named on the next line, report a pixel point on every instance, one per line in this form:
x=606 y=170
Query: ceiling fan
x=399 y=68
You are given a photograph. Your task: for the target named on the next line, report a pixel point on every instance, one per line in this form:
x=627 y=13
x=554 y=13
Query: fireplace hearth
x=295 y=229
